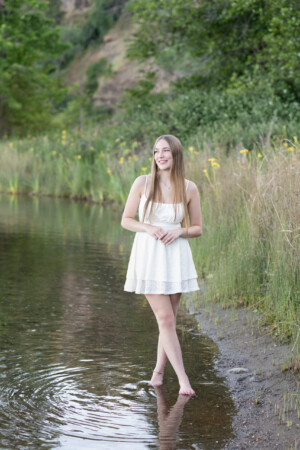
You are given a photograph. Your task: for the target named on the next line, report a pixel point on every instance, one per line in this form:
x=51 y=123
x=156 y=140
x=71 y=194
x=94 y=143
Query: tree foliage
x=257 y=39
x=100 y=18
x=29 y=86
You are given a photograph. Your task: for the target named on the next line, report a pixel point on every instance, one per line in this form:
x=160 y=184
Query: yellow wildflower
x=204 y=170
x=144 y=169
x=92 y=148
x=135 y=157
x=108 y=171
x=259 y=155
x=121 y=160
x=78 y=156
x=11 y=144
x=290 y=149
x=285 y=144
x=150 y=159
x=135 y=144
x=212 y=159
x=245 y=150
x=191 y=149
x=63 y=131
x=54 y=152
x=215 y=164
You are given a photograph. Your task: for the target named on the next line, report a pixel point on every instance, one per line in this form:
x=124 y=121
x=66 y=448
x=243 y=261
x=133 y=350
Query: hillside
x=125 y=72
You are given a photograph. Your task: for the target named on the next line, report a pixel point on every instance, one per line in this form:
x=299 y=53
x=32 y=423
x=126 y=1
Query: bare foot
x=157 y=378
x=186 y=389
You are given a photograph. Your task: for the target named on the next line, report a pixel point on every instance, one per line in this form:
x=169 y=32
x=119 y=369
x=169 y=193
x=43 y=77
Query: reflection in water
x=74 y=368
x=169 y=419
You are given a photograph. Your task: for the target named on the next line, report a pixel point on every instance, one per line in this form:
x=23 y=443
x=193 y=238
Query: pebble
x=238 y=370
x=242 y=378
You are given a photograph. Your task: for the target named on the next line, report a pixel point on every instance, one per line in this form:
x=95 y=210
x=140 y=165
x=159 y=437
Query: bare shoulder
x=192 y=186
x=139 y=183
x=192 y=190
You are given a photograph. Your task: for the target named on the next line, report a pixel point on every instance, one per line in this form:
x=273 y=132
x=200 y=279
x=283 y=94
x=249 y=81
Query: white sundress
x=156 y=268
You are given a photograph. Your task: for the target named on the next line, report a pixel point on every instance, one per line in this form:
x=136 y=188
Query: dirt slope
x=126 y=72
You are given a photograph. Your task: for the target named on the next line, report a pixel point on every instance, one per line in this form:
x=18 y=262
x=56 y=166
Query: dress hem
x=165 y=288
x=163 y=293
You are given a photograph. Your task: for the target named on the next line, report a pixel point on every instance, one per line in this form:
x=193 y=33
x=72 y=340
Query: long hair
x=177 y=179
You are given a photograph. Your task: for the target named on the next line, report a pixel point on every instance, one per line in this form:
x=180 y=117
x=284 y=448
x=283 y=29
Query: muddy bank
x=266 y=394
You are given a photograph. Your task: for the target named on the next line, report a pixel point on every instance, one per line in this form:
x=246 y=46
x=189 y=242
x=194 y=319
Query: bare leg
x=157 y=377
x=162 y=308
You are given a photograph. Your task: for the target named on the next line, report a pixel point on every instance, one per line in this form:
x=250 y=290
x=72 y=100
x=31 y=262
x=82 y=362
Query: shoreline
x=265 y=392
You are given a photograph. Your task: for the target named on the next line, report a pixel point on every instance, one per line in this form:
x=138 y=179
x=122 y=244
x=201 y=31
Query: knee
x=166 y=320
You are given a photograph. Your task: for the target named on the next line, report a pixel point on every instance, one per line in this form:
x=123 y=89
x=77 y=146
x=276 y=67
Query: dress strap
x=145 y=185
x=186 y=185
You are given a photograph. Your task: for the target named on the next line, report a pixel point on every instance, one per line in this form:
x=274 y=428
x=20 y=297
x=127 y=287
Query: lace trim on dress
x=160 y=287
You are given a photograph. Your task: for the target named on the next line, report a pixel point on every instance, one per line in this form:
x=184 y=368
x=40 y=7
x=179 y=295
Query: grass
x=249 y=251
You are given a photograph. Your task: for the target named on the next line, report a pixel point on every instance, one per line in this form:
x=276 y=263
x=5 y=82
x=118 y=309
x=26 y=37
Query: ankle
x=184 y=380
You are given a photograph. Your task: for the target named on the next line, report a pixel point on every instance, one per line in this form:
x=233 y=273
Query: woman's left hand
x=171 y=235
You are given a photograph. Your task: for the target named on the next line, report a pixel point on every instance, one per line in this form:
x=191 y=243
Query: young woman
x=161 y=264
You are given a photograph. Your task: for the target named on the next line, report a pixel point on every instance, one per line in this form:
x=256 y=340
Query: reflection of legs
x=168 y=421
x=158 y=373
x=163 y=310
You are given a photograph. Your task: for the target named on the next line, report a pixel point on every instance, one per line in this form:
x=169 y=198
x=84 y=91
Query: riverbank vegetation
x=234 y=103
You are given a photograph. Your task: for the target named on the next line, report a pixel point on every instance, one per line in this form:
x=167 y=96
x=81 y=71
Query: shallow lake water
x=77 y=352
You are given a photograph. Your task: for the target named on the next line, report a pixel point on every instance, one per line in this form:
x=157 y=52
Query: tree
x=233 y=39
x=29 y=84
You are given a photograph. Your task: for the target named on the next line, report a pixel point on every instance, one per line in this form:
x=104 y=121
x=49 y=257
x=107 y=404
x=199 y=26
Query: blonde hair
x=177 y=179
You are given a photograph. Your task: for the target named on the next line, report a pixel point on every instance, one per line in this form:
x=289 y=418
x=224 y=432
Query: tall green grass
x=250 y=248
x=70 y=164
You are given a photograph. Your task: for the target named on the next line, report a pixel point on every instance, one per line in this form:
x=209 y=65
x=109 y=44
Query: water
x=76 y=351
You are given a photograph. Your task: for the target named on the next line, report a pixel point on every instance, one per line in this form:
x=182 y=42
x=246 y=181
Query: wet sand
x=266 y=392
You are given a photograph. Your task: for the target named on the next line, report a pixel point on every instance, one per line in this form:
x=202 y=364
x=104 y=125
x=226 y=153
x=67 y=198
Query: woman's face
x=163 y=155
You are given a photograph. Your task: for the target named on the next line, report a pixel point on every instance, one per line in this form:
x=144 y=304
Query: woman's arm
x=128 y=218
x=194 y=210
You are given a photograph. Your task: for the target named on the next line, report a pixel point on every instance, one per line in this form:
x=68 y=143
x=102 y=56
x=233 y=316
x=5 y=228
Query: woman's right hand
x=156 y=232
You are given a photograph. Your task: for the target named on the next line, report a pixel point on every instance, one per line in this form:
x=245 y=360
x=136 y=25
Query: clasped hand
x=165 y=236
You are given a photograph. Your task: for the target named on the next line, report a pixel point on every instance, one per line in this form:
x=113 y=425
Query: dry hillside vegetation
x=125 y=72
